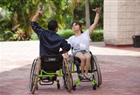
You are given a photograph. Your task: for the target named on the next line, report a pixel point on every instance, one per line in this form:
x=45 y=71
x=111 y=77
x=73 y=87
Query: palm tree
x=95 y=3
x=76 y=3
x=87 y=13
x=21 y=12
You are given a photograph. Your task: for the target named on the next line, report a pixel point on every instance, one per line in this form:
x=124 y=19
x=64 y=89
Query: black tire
x=67 y=77
x=33 y=77
x=58 y=84
x=97 y=71
x=74 y=87
x=94 y=87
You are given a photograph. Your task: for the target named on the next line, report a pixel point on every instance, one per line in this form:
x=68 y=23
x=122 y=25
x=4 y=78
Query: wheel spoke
x=34 y=77
x=68 y=82
x=97 y=72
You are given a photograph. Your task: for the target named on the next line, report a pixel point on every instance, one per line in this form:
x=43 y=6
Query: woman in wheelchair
x=80 y=43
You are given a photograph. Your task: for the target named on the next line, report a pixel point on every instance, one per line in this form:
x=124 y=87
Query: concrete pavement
x=120 y=70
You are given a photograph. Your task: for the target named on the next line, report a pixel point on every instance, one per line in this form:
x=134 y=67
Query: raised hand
x=40 y=10
x=38 y=13
x=97 y=10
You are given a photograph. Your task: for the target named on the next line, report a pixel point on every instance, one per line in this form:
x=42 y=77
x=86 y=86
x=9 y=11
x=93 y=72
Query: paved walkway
x=120 y=70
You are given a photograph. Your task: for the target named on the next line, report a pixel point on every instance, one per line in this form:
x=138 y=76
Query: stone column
x=121 y=21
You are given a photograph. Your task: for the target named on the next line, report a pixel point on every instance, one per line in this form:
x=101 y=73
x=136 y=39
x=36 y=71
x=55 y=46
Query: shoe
x=81 y=76
x=87 y=76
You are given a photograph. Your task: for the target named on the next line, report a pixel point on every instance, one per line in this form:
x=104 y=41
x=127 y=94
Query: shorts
x=82 y=51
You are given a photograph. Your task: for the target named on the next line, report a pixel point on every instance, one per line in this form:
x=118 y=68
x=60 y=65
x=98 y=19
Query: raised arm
x=38 y=14
x=96 y=20
x=35 y=26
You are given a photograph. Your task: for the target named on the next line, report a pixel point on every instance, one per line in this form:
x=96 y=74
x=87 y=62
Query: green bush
x=97 y=36
x=66 y=33
x=6 y=36
x=34 y=36
x=63 y=33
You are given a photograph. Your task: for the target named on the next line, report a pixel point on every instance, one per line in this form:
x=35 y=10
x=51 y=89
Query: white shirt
x=80 y=42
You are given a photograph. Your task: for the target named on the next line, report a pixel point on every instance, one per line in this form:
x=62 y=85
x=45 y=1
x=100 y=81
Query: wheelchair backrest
x=51 y=62
x=51 y=58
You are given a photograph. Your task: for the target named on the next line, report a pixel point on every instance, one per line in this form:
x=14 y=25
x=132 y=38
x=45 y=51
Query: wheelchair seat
x=77 y=62
x=51 y=63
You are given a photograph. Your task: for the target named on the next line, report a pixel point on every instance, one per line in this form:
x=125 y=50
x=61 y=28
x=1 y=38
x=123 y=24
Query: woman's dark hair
x=52 y=25
x=77 y=23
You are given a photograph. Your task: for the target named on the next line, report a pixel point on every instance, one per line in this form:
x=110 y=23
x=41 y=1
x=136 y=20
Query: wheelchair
x=94 y=70
x=48 y=71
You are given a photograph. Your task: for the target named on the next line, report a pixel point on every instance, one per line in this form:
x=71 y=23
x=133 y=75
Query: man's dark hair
x=52 y=25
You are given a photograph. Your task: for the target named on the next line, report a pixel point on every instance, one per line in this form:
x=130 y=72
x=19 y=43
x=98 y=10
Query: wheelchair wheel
x=96 y=71
x=67 y=77
x=58 y=84
x=33 y=77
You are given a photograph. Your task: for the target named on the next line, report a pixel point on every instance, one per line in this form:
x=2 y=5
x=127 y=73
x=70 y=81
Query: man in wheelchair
x=50 y=59
x=50 y=42
x=80 y=43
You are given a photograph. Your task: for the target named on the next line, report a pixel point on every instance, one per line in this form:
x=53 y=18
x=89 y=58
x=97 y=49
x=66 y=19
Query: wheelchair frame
x=96 y=80
x=40 y=77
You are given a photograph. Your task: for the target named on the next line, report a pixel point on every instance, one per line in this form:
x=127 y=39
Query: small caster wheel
x=58 y=85
x=94 y=87
x=74 y=87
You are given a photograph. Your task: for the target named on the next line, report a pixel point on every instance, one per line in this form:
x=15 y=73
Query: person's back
x=50 y=42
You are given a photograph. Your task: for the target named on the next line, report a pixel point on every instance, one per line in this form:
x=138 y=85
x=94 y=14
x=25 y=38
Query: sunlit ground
x=13 y=53
x=119 y=67
x=115 y=51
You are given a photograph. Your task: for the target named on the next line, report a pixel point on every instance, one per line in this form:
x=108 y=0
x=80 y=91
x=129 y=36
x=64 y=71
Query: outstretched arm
x=35 y=26
x=38 y=14
x=96 y=20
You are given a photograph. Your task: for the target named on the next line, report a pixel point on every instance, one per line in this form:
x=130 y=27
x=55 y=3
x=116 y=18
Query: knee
x=82 y=58
x=88 y=56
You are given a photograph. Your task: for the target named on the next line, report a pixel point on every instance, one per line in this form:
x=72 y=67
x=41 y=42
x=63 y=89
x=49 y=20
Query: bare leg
x=82 y=58
x=87 y=65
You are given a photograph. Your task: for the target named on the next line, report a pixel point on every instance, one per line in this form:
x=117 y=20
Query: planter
x=136 y=40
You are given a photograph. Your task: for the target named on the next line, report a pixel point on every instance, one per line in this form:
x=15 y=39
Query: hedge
x=97 y=35
x=65 y=33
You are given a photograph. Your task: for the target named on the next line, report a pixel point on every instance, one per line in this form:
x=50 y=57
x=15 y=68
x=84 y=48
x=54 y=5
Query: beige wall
x=121 y=21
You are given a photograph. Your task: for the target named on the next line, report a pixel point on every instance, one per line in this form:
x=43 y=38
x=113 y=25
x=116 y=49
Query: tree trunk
x=87 y=14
